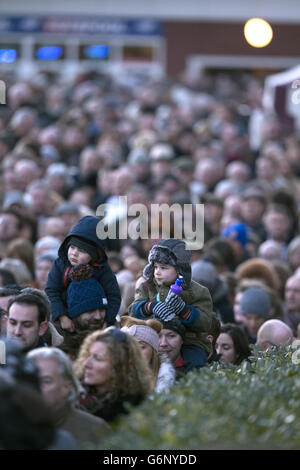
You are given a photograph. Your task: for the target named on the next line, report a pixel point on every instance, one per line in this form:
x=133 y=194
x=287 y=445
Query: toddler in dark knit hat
x=81 y=279
x=193 y=306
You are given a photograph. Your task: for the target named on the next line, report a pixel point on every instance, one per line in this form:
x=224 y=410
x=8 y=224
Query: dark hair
x=281 y=209
x=26 y=420
x=32 y=298
x=210 y=198
x=19 y=366
x=10 y=289
x=7 y=277
x=231 y=283
x=168 y=177
x=240 y=341
x=2 y=313
x=25 y=219
x=72 y=344
x=13 y=211
x=284 y=198
x=215 y=328
x=223 y=248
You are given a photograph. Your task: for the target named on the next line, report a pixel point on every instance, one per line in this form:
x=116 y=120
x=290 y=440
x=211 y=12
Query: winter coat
x=215 y=357
x=196 y=297
x=84 y=427
x=106 y=406
x=221 y=303
x=180 y=368
x=56 y=288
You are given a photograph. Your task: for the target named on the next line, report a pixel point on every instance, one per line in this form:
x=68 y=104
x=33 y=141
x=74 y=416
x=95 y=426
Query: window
x=9 y=53
x=138 y=53
x=49 y=52
x=94 y=52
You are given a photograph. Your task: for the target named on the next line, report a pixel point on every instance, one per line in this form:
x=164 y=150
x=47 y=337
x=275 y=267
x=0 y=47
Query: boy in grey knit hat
x=167 y=260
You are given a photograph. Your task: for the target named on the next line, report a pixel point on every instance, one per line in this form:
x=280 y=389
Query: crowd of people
x=93 y=325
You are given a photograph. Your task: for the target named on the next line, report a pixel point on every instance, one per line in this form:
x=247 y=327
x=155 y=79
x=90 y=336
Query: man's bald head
x=274 y=333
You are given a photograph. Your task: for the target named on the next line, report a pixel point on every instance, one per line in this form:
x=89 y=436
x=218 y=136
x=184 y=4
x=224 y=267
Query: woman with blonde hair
x=113 y=372
x=147 y=334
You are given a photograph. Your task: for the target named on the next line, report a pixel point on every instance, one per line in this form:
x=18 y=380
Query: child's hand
x=66 y=323
x=162 y=311
x=175 y=303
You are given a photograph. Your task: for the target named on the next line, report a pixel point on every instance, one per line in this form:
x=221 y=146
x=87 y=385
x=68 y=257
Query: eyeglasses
x=271 y=344
x=117 y=334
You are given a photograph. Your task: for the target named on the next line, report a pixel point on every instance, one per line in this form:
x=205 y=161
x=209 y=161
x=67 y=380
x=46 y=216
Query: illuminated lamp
x=258 y=32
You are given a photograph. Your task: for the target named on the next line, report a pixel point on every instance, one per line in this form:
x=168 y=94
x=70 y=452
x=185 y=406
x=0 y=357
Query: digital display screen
x=94 y=52
x=9 y=53
x=8 y=56
x=43 y=52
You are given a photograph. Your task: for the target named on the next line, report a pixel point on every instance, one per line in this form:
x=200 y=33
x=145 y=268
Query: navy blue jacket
x=56 y=288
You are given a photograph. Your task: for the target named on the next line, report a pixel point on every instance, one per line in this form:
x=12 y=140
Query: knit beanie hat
x=175 y=325
x=143 y=333
x=84 y=293
x=86 y=246
x=255 y=301
x=238 y=232
x=170 y=251
x=205 y=273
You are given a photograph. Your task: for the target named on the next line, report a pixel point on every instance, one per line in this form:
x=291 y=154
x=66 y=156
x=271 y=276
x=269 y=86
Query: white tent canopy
x=291 y=80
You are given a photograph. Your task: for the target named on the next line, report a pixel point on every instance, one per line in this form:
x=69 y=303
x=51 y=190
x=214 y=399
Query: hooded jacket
x=174 y=252
x=56 y=288
x=196 y=297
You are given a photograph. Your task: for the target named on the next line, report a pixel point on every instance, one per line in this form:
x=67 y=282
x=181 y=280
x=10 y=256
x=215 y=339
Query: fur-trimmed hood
x=174 y=252
x=53 y=338
x=166 y=374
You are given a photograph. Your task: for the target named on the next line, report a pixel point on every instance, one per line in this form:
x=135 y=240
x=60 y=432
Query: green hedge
x=252 y=406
